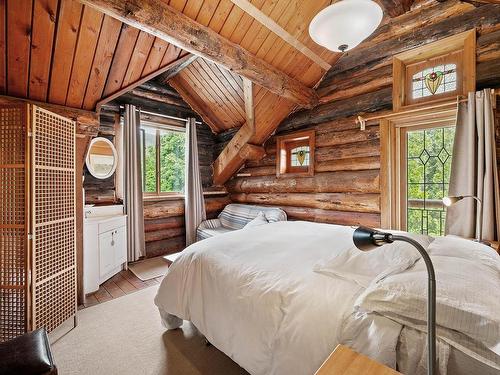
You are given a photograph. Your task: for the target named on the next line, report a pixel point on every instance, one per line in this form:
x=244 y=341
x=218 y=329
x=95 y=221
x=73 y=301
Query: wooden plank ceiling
x=62 y=52
x=216 y=93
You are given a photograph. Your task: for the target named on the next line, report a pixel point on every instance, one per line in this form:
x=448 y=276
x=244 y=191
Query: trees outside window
x=162 y=156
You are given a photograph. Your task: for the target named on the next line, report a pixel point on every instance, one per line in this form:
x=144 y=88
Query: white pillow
x=467 y=299
x=466 y=249
x=362 y=267
x=260 y=219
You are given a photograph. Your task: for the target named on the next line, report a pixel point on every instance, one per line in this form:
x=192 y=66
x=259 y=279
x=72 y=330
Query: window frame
x=462 y=45
x=393 y=188
x=285 y=144
x=158 y=128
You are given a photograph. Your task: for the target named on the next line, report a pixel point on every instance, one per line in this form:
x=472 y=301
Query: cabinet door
x=106 y=253
x=120 y=245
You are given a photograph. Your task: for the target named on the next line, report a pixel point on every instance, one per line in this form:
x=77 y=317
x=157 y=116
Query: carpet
x=148 y=269
x=125 y=336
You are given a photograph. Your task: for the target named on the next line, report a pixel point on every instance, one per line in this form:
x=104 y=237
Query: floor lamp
x=448 y=201
x=366 y=239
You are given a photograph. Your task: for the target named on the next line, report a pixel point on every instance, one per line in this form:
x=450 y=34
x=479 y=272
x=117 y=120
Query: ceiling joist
x=165 y=22
x=273 y=26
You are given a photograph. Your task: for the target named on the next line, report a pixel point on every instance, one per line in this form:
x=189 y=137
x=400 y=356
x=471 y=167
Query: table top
x=344 y=361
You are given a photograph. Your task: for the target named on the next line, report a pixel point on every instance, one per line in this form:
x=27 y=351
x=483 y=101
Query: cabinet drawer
x=112 y=224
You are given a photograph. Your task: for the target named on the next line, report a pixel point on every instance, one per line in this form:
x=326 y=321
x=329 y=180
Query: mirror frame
x=115 y=155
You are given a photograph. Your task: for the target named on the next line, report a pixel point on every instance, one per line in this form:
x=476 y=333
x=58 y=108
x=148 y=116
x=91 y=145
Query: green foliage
x=171 y=170
x=428 y=166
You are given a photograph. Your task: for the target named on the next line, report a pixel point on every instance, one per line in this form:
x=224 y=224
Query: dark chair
x=28 y=354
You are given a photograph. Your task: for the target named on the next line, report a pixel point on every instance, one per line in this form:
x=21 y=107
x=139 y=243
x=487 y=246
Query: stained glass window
x=435 y=80
x=429 y=154
x=300 y=156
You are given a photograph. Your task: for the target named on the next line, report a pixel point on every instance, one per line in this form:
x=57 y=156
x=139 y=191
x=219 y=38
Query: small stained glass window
x=295 y=154
x=438 y=79
x=300 y=156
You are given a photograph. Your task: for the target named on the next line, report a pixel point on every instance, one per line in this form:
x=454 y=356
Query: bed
x=278 y=298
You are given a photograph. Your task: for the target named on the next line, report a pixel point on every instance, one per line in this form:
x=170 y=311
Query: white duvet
x=260 y=296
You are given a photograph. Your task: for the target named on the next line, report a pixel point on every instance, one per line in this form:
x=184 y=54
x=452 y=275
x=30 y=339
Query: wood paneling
x=18 y=46
x=64 y=53
x=346 y=186
x=44 y=20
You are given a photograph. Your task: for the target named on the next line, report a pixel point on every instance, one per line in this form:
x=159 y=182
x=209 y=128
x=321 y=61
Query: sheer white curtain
x=194 y=202
x=474 y=170
x=133 y=185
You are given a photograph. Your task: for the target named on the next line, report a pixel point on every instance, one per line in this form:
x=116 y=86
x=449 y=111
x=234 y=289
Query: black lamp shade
x=366 y=239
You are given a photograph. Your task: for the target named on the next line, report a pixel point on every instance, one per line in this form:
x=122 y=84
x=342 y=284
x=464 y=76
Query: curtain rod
x=166 y=116
x=362 y=121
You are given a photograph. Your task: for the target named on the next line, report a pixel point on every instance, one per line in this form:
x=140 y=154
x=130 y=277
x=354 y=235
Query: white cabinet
x=104 y=249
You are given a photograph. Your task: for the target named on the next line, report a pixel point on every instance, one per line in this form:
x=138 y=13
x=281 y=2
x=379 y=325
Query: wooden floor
x=119 y=285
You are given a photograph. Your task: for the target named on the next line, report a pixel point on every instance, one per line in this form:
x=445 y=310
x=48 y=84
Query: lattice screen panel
x=13 y=222
x=54 y=256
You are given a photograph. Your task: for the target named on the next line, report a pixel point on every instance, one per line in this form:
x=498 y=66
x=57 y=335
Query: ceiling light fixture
x=344 y=24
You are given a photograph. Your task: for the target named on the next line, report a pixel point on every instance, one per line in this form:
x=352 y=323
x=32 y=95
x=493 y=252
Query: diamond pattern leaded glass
x=428 y=174
x=436 y=80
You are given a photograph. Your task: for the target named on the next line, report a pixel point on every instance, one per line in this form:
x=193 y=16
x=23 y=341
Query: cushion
x=236 y=216
x=210 y=232
x=260 y=219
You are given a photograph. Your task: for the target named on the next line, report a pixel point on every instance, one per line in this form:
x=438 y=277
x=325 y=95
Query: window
x=436 y=80
x=162 y=156
x=428 y=166
x=416 y=154
x=436 y=71
x=295 y=154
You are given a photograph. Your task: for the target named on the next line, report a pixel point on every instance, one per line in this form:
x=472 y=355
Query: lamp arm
x=431 y=302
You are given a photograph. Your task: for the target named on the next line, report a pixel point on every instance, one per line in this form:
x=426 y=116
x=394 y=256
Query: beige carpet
x=148 y=269
x=124 y=336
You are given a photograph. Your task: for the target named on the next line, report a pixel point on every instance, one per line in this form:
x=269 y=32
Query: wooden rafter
x=171 y=73
x=180 y=61
x=165 y=22
x=249 y=107
x=273 y=26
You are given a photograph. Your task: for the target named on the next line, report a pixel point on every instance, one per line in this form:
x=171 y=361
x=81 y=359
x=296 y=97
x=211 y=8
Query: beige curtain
x=194 y=202
x=474 y=170
x=133 y=185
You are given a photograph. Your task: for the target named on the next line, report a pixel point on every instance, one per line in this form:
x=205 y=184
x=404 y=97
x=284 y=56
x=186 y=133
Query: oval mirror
x=101 y=158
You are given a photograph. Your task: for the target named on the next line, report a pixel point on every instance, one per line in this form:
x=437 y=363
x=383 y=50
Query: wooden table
x=344 y=361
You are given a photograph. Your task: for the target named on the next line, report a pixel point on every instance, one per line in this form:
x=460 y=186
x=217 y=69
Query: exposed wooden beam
x=273 y=26
x=130 y=87
x=158 y=97
x=167 y=23
x=230 y=159
x=249 y=107
x=395 y=8
x=252 y=152
x=171 y=73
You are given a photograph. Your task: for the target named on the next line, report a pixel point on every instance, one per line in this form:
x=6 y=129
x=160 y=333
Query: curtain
x=194 y=202
x=474 y=170
x=119 y=174
x=133 y=185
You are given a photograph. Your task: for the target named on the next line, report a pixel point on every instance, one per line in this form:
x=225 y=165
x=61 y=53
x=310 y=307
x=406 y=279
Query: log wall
x=346 y=186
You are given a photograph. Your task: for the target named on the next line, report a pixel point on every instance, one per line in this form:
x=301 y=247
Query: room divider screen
x=37 y=220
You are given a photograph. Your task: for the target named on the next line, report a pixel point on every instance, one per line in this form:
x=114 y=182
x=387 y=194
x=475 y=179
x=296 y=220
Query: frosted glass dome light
x=343 y=25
